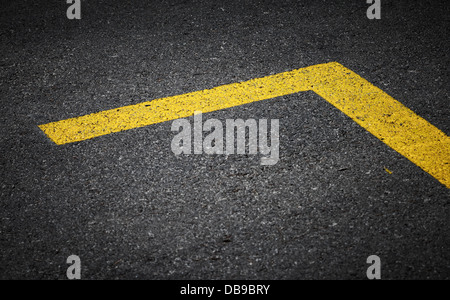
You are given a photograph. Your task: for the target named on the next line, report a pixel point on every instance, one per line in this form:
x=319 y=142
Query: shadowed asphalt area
x=130 y=208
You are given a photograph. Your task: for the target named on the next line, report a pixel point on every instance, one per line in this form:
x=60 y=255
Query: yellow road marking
x=383 y=116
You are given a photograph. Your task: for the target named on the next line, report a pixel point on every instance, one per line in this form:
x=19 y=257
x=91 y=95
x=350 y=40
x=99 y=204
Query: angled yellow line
x=383 y=116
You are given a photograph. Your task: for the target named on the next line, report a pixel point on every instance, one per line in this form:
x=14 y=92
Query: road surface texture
x=131 y=209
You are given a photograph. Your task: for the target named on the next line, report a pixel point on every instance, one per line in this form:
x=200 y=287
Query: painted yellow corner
x=383 y=116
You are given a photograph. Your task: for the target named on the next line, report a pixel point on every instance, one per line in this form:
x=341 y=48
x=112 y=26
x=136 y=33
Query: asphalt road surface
x=131 y=209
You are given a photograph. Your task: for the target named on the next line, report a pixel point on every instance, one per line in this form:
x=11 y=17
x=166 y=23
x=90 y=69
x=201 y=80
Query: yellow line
x=167 y=109
x=383 y=116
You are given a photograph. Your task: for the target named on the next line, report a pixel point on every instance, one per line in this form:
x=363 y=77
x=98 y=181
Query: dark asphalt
x=130 y=209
